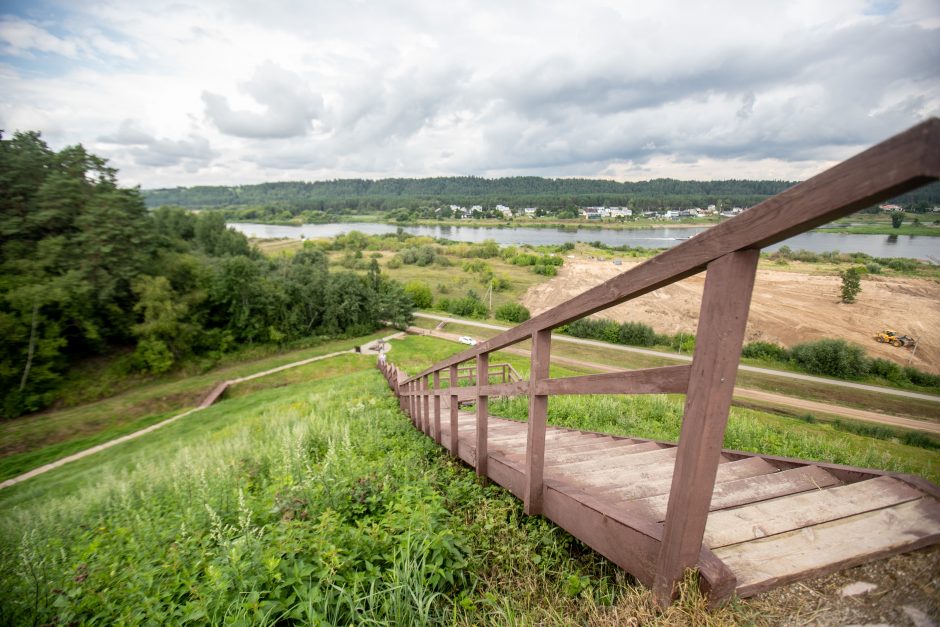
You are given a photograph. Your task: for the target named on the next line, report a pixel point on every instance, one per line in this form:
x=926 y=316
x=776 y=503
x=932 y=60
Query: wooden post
x=426 y=411
x=437 y=407
x=538 y=410
x=414 y=403
x=483 y=364
x=722 y=320
x=454 y=406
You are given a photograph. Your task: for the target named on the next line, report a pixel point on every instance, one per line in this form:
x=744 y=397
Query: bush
x=682 y=342
x=919 y=377
x=636 y=334
x=886 y=370
x=394 y=263
x=512 y=312
x=765 y=350
x=470 y=306
x=873 y=267
x=545 y=270
x=419 y=293
x=836 y=358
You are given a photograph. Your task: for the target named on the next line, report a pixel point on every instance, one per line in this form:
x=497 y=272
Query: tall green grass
x=316 y=504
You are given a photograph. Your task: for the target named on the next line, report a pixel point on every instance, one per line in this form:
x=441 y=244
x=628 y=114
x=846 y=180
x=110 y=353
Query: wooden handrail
x=729 y=252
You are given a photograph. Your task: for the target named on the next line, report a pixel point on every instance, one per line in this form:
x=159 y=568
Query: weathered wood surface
x=618 y=508
x=725 y=302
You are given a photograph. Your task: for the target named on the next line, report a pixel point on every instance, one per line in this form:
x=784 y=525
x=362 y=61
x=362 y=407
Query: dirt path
x=787 y=308
x=210 y=398
x=742 y=393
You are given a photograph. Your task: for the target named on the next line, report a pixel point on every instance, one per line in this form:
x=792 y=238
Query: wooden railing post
x=538 y=410
x=412 y=399
x=483 y=409
x=454 y=407
x=437 y=406
x=722 y=321
x=426 y=410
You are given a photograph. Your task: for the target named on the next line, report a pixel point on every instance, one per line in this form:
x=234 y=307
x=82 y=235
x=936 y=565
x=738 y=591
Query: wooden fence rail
x=728 y=253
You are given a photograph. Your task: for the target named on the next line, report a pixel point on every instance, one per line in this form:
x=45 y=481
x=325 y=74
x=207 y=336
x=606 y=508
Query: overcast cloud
x=214 y=92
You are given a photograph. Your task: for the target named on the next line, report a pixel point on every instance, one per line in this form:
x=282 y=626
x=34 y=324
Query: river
x=918 y=247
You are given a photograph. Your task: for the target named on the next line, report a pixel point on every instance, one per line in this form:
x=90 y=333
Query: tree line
x=86 y=270
x=553 y=196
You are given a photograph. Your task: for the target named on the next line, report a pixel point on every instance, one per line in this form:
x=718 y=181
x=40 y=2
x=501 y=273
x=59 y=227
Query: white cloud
x=232 y=93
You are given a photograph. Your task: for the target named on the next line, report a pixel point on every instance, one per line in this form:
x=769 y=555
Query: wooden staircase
x=772 y=520
x=746 y=522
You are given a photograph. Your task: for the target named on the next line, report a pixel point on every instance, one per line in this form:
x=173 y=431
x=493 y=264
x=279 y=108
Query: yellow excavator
x=892 y=338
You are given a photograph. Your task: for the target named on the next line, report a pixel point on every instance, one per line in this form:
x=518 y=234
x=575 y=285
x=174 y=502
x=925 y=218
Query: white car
x=466 y=339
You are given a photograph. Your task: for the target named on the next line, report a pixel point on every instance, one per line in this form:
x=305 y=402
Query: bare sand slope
x=787 y=308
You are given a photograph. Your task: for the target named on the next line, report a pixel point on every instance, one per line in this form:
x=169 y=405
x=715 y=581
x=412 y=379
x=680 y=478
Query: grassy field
x=307 y=497
x=31 y=441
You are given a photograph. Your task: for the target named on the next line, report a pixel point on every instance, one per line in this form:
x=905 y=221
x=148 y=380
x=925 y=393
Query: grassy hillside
x=309 y=498
x=312 y=503
x=31 y=441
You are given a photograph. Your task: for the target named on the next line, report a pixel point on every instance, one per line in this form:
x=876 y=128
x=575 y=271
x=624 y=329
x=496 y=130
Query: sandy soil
x=787 y=308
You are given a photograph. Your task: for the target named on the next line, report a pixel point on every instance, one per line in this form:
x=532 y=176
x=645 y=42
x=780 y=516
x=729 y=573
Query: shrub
x=394 y=263
x=636 y=334
x=512 y=312
x=765 y=350
x=897 y=219
x=419 y=293
x=683 y=342
x=545 y=270
x=919 y=377
x=873 y=267
x=886 y=370
x=836 y=358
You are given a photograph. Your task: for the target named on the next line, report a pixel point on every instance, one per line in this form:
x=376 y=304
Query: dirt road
x=787 y=308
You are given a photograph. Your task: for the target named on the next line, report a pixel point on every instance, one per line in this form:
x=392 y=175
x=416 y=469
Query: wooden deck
x=772 y=520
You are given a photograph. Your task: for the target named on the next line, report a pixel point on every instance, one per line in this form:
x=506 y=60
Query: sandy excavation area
x=787 y=308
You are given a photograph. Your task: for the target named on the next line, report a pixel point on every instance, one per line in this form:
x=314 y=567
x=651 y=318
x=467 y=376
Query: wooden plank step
x=617 y=461
x=551 y=435
x=728 y=471
x=555 y=458
x=561 y=451
x=735 y=492
x=768 y=518
x=828 y=547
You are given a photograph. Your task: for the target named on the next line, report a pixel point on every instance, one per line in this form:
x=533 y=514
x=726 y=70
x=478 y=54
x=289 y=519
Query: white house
x=530 y=211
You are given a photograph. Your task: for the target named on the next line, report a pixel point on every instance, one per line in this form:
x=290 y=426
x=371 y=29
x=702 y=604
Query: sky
x=236 y=92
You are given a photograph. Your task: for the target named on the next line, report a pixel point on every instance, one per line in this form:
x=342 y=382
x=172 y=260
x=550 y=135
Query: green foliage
x=633 y=333
x=767 y=351
x=835 y=358
x=470 y=305
x=84 y=269
x=419 y=255
x=420 y=294
x=511 y=312
x=546 y=270
x=897 y=219
x=851 y=285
